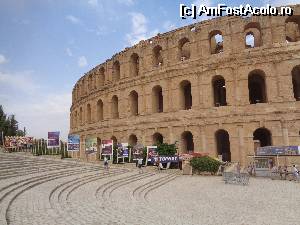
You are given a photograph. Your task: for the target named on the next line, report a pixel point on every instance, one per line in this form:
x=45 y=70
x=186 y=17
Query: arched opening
x=116 y=71
x=223 y=145
x=101 y=77
x=296 y=82
x=157 y=99
x=292 y=28
x=187 y=142
x=252 y=33
x=80 y=115
x=157 y=138
x=115 y=107
x=216 y=42
x=249 y=40
x=115 y=140
x=134 y=64
x=134 y=103
x=257 y=87
x=264 y=137
x=184 y=49
x=186 y=100
x=219 y=90
x=157 y=56
x=88 y=113
x=99 y=110
x=132 y=140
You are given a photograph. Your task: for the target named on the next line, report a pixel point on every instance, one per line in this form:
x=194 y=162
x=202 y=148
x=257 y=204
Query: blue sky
x=47 y=45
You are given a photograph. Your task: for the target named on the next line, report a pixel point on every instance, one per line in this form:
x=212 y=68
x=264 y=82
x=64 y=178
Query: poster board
x=73 y=142
x=90 y=145
x=151 y=153
x=17 y=141
x=53 y=139
x=123 y=151
x=137 y=152
x=278 y=150
x=107 y=147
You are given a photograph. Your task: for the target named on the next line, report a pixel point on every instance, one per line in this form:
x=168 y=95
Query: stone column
x=82 y=147
x=285 y=133
x=241 y=151
x=171 y=135
x=203 y=139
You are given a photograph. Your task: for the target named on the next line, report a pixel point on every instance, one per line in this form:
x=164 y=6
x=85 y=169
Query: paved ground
x=41 y=191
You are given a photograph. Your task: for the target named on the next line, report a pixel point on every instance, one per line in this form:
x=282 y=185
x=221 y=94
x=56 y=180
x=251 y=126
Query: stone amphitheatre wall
x=202 y=85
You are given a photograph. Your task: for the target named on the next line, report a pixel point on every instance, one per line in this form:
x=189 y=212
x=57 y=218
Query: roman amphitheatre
x=219 y=86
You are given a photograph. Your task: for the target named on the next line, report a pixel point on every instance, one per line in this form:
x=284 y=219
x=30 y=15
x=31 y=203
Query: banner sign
x=107 y=147
x=137 y=151
x=17 y=141
x=278 y=150
x=73 y=142
x=53 y=139
x=165 y=159
x=123 y=150
x=151 y=152
x=90 y=145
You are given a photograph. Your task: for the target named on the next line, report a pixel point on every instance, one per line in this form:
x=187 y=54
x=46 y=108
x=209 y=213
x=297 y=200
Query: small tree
x=166 y=149
x=205 y=164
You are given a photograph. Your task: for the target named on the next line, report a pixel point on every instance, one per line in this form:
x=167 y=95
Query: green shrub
x=205 y=164
x=166 y=149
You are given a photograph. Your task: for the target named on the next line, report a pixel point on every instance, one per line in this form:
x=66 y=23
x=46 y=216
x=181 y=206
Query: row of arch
x=252 y=38
x=256 y=88
x=222 y=140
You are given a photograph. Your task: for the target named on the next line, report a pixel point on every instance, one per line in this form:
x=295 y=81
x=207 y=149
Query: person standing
x=295 y=172
x=140 y=165
x=105 y=164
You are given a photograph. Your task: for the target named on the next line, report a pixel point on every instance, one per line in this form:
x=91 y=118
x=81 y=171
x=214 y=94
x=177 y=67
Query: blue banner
x=278 y=150
x=165 y=159
x=73 y=142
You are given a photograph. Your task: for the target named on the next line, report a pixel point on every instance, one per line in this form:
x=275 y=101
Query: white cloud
x=3 y=59
x=42 y=113
x=73 y=19
x=126 y=2
x=69 y=52
x=202 y=2
x=20 y=81
x=35 y=108
x=82 y=62
x=93 y=3
x=139 y=30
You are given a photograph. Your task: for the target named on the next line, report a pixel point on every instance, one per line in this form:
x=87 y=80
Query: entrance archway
x=187 y=142
x=223 y=145
x=115 y=140
x=264 y=136
x=132 y=140
x=158 y=138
